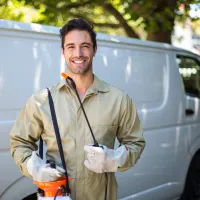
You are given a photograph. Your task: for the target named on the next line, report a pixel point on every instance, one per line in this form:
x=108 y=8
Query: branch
x=108 y=25
x=76 y=5
x=112 y=10
x=64 y=8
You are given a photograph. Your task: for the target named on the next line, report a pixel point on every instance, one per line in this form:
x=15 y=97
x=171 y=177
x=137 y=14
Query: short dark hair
x=78 y=24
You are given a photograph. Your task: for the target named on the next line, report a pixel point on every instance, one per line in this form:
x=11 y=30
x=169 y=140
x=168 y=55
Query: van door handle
x=189 y=112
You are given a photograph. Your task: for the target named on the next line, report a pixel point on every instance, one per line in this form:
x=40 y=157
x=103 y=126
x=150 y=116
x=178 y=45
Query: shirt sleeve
x=25 y=133
x=130 y=132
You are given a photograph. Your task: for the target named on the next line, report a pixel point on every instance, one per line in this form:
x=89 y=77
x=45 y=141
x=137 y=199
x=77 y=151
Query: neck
x=83 y=82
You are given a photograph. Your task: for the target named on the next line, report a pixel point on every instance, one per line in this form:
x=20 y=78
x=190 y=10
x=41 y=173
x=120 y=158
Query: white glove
x=101 y=159
x=42 y=172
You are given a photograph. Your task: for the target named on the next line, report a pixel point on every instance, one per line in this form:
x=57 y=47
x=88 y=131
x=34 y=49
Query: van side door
x=189 y=68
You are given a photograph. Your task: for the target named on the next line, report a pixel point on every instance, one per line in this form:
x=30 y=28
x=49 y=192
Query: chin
x=82 y=71
x=79 y=72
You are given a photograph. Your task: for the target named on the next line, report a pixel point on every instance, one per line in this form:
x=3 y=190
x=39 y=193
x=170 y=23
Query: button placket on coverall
x=81 y=140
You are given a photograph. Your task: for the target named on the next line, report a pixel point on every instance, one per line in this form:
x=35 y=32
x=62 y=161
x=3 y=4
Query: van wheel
x=31 y=197
x=192 y=185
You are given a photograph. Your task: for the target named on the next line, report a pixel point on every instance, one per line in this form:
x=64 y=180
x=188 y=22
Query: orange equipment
x=51 y=188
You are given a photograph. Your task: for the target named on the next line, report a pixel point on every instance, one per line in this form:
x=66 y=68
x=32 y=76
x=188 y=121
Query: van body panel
x=21 y=188
x=170 y=190
x=152 y=170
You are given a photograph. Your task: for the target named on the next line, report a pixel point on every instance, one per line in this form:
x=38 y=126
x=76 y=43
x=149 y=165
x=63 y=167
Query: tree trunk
x=127 y=28
x=160 y=36
x=162 y=33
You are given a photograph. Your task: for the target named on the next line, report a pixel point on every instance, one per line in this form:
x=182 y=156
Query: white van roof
x=52 y=30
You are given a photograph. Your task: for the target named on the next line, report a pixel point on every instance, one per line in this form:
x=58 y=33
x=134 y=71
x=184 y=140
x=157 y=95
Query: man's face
x=78 y=51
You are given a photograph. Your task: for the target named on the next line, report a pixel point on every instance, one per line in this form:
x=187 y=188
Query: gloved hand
x=102 y=159
x=42 y=172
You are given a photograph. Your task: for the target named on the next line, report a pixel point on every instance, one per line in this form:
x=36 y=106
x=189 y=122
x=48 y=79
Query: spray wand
x=74 y=87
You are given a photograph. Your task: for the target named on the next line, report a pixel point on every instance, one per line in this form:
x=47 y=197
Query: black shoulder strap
x=41 y=148
x=57 y=132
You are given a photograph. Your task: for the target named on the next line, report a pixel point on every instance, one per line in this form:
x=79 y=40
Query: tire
x=192 y=185
x=31 y=197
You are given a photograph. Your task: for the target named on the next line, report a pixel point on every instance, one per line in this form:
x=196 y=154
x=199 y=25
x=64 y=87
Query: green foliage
x=17 y=10
x=135 y=18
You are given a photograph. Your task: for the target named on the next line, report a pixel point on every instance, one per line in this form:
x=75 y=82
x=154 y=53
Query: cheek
x=88 y=53
x=91 y=55
x=66 y=56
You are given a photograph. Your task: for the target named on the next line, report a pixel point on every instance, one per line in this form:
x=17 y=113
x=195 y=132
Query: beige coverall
x=111 y=114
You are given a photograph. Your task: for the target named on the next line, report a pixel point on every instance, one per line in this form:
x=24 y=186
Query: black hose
x=61 y=187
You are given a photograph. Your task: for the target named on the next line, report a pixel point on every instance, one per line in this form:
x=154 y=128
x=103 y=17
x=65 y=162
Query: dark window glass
x=189 y=69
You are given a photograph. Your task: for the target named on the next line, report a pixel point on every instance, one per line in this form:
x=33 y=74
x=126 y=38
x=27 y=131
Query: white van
x=164 y=82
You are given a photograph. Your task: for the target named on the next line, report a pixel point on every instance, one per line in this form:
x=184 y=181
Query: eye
x=85 y=46
x=70 y=47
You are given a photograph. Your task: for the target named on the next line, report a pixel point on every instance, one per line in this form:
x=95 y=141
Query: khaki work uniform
x=111 y=114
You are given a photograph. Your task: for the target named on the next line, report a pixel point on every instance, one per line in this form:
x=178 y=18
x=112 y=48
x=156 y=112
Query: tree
x=151 y=20
x=17 y=10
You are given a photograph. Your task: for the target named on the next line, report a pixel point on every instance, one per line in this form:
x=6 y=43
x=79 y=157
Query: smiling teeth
x=78 y=62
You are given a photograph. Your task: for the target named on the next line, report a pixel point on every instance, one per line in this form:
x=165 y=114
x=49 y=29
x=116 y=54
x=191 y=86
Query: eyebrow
x=86 y=43
x=70 y=44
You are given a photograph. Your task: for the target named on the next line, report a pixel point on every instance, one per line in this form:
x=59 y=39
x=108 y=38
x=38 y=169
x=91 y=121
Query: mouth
x=78 y=61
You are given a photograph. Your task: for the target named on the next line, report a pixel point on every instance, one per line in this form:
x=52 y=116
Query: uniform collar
x=97 y=85
x=62 y=83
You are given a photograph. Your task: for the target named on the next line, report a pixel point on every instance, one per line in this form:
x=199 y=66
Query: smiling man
x=111 y=112
x=78 y=43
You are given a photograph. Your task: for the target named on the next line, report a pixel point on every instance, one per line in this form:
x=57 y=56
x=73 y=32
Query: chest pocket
x=104 y=134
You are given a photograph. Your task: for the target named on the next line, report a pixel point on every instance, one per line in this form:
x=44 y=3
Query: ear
x=95 y=51
x=62 y=50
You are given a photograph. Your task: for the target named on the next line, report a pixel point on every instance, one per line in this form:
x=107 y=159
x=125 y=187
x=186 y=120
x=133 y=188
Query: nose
x=78 y=52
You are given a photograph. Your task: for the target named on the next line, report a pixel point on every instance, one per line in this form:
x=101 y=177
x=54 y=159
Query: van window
x=189 y=69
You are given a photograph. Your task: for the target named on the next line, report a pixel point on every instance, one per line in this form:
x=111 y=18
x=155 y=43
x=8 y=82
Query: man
x=111 y=114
